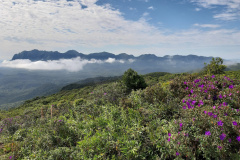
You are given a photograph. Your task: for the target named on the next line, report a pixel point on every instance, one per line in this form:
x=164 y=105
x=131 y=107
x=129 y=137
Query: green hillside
x=178 y=116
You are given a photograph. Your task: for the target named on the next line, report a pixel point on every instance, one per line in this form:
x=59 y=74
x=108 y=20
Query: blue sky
x=161 y=27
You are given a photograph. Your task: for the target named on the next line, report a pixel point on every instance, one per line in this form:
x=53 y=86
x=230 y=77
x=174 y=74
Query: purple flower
x=225 y=114
x=224 y=104
x=191 y=90
x=177 y=154
x=234 y=123
x=169 y=134
x=222 y=136
x=213 y=76
x=105 y=93
x=185 y=82
x=180 y=124
x=186 y=88
x=10 y=157
x=229 y=140
x=238 y=138
x=214 y=116
x=231 y=86
x=219 y=147
x=184 y=107
x=60 y=120
x=230 y=94
x=210 y=113
x=193 y=102
x=194 y=119
x=220 y=96
x=183 y=101
x=205 y=112
x=207 y=133
x=168 y=139
x=214 y=107
x=220 y=123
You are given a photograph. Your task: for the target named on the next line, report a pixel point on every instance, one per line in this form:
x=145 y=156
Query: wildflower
x=220 y=96
x=184 y=107
x=191 y=90
x=10 y=157
x=225 y=114
x=230 y=94
x=183 y=101
x=238 y=138
x=180 y=124
x=186 y=88
x=105 y=93
x=222 y=136
x=168 y=139
x=178 y=143
x=213 y=76
x=194 y=119
x=177 y=154
x=207 y=133
x=224 y=104
x=214 y=107
x=231 y=86
x=169 y=134
x=214 y=116
x=210 y=114
x=60 y=120
x=193 y=102
x=220 y=123
x=185 y=82
x=229 y=140
x=205 y=112
x=234 y=123
x=219 y=147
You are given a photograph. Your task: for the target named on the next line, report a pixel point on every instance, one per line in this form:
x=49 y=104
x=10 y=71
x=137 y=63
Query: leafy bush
x=133 y=81
x=215 y=67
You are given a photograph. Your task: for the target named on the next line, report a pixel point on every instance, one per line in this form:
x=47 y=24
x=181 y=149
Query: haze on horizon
x=160 y=27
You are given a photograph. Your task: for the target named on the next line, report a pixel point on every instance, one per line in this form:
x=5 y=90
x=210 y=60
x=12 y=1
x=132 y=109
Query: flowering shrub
x=210 y=115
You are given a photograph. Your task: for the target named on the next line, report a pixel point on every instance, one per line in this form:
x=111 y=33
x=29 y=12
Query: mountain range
x=17 y=85
x=37 y=55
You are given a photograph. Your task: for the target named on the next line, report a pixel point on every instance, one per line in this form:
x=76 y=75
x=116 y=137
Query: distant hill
x=36 y=55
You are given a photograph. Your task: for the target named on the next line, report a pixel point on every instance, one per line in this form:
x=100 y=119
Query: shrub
x=215 y=67
x=133 y=81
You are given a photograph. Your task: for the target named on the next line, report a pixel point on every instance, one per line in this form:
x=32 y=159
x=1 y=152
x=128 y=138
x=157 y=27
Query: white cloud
x=231 y=11
x=72 y=65
x=151 y=8
x=207 y=25
x=197 y=9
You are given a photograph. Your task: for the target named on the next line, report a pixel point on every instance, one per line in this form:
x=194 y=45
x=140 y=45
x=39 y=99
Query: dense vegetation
x=178 y=116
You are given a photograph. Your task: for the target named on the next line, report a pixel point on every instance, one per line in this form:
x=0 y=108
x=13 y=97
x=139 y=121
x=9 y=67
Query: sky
x=160 y=27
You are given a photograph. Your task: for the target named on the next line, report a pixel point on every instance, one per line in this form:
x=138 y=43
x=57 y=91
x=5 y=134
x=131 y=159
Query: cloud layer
x=85 y=26
x=72 y=65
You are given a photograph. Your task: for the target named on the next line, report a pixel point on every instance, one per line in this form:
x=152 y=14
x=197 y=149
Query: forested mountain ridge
x=37 y=55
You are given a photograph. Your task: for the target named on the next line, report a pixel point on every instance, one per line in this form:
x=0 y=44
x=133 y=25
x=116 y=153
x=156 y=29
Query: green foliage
x=133 y=81
x=105 y=121
x=215 y=67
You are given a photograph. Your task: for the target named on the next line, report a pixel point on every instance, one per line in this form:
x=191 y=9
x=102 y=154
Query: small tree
x=133 y=81
x=215 y=67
